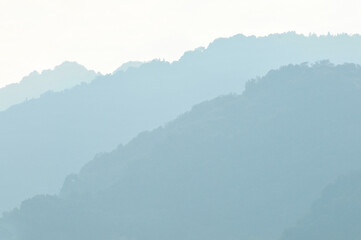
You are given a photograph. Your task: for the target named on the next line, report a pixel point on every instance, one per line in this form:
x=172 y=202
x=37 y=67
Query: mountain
x=45 y=139
x=127 y=65
x=236 y=167
x=64 y=76
x=335 y=216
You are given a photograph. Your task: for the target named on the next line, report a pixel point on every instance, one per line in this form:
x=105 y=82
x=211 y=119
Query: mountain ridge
x=235 y=167
x=64 y=130
x=61 y=77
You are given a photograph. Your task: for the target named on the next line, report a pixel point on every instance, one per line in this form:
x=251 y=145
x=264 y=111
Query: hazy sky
x=39 y=34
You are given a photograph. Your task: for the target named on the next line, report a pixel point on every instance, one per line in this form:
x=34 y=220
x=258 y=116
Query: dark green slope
x=236 y=167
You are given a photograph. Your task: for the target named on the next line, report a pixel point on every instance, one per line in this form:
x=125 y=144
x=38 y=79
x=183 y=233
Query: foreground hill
x=237 y=167
x=335 y=216
x=45 y=139
x=64 y=76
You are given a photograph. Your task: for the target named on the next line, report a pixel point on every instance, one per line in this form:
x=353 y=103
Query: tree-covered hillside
x=236 y=167
x=44 y=140
x=335 y=216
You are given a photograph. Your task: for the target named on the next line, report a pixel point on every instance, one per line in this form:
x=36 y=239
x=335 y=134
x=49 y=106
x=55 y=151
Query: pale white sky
x=101 y=35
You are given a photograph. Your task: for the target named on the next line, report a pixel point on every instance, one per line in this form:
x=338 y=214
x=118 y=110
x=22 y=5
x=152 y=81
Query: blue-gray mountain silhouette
x=64 y=76
x=127 y=65
x=45 y=139
x=335 y=216
x=236 y=167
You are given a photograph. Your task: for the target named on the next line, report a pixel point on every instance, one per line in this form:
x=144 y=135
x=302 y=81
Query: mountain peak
x=131 y=64
x=64 y=76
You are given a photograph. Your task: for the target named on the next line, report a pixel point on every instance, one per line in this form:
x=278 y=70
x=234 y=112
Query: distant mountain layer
x=236 y=167
x=64 y=76
x=45 y=139
x=127 y=65
x=336 y=216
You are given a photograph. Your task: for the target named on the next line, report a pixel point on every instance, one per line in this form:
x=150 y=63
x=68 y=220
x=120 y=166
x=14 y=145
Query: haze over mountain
x=43 y=140
x=127 y=65
x=64 y=76
x=335 y=216
x=236 y=167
